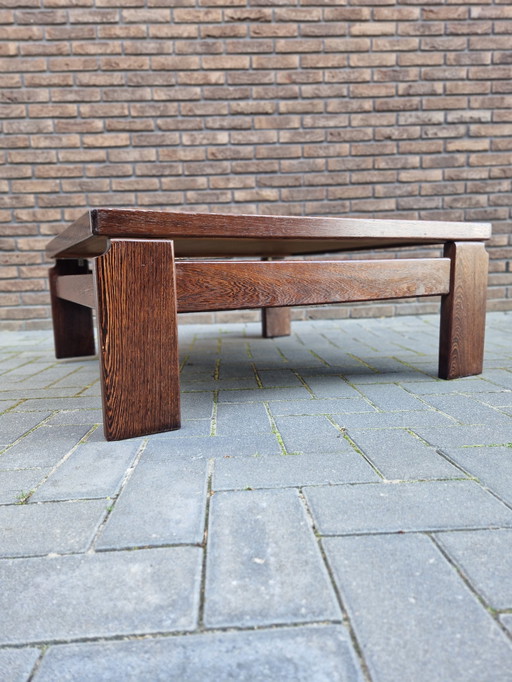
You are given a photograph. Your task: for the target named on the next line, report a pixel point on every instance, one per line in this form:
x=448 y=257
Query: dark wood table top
x=216 y=234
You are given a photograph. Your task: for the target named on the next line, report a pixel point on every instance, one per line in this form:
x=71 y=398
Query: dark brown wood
x=73 y=329
x=138 y=338
x=139 y=287
x=77 y=288
x=225 y=285
x=159 y=224
x=276 y=322
x=77 y=241
x=461 y=346
x=199 y=234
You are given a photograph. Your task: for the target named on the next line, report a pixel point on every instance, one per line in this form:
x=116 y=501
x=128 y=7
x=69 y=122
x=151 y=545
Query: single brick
x=259 y=572
x=99 y=595
x=399 y=507
x=429 y=609
x=298 y=654
x=39 y=529
x=162 y=503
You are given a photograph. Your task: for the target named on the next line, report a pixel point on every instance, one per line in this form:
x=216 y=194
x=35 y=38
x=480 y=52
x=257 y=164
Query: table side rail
x=231 y=285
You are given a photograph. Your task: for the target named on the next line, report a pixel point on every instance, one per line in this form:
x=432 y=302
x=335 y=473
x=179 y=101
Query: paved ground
x=330 y=511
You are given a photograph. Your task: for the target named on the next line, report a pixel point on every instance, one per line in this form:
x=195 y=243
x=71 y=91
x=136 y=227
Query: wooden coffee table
x=149 y=265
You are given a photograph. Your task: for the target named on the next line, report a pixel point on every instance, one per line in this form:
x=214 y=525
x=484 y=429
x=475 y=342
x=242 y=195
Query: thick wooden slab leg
x=138 y=338
x=73 y=329
x=276 y=322
x=461 y=347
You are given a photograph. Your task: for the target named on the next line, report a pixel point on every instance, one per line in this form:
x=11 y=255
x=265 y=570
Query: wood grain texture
x=214 y=234
x=166 y=224
x=77 y=241
x=276 y=322
x=461 y=346
x=224 y=285
x=73 y=329
x=138 y=338
x=77 y=288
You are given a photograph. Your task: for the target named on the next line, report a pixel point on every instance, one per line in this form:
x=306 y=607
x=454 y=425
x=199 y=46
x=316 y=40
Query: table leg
x=73 y=329
x=461 y=346
x=276 y=322
x=138 y=338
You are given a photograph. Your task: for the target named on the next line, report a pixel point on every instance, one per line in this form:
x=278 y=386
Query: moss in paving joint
x=275 y=431
x=24 y=496
x=216 y=371
x=256 y=375
x=280 y=352
x=356 y=447
x=213 y=424
x=304 y=383
x=318 y=357
x=27 y=433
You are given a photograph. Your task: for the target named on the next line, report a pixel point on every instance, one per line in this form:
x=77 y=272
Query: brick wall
x=363 y=107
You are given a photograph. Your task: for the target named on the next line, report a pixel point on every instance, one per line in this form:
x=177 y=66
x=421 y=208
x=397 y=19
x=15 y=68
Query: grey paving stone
x=263 y=563
x=501 y=377
x=92 y=470
x=506 y=619
x=64 y=403
x=82 y=375
x=325 y=353
x=37 y=529
x=6 y=404
x=389 y=377
x=189 y=428
x=13 y=425
x=399 y=455
x=43 y=447
x=99 y=595
x=291 y=471
x=17 y=664
x=265 y=354
x=315 y=406
x=231 y=369
x=17 y=393
x=197 y=405
x=387 y=508
x=162 y=503
x=46 y=376
x=212 y=446
x=297 y=355
x=499 y=399
x=391 y=397
x=388 y=420
x=468 y=410
x=278 y=377
x=213 y=384
x=412 y=614
x=465 y=385
x=242 y=418
x=92 y=391
x=492 y=466
x=466 y=436
x=311 y=434
x=19 y=481
x=330 y=386
x=485 y=557
x=76 y=417
x=307 y=654
x=261 y=394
